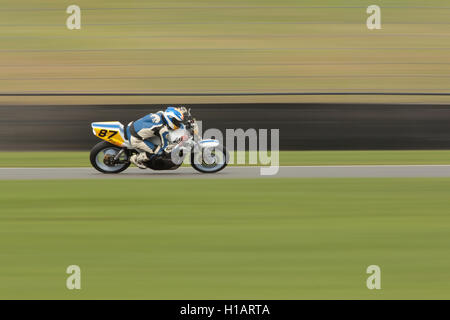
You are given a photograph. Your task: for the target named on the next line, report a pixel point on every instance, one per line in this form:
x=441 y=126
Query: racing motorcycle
x=112 y=155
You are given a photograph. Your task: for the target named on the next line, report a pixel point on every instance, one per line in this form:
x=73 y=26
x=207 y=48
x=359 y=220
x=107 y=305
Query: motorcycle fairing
x=111 y=131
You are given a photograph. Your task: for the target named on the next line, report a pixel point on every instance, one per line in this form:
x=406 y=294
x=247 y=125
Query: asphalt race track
x=382 y=171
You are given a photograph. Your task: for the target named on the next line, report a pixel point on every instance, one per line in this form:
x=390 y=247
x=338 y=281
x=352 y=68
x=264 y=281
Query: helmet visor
x=176 y=122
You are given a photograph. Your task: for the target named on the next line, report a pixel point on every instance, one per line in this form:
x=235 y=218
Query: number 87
x=104 y=132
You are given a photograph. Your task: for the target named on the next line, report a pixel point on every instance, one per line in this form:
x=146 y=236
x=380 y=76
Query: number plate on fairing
x=112 y=132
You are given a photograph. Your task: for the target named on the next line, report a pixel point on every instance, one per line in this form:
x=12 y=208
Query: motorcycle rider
x=154 y=124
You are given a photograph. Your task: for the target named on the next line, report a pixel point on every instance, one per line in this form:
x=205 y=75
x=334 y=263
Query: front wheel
x=101 y=158
x=210 y=160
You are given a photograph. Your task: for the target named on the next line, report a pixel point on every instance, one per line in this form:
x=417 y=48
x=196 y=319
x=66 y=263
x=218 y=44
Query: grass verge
x=225 y=239
x=287 y=158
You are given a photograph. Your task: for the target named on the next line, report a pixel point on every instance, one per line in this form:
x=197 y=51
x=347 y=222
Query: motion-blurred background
x=169 y=50
x=224 y=46
x=280 y=238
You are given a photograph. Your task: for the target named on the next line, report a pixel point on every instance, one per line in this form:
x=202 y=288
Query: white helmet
x=174 y=117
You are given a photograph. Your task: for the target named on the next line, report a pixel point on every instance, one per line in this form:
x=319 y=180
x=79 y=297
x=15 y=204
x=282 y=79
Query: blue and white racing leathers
x=146 y=127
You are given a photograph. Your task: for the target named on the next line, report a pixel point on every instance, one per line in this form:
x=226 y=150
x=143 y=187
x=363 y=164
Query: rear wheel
x=210 y=160
x=102 y=154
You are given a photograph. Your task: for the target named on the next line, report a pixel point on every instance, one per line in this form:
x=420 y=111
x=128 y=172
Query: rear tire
x=102 y=167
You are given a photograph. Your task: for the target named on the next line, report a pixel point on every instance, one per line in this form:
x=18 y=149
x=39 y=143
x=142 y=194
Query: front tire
x=204 y=167
x=98 y=153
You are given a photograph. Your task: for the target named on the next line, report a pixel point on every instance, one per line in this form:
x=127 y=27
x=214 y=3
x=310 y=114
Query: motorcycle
x=112 y=155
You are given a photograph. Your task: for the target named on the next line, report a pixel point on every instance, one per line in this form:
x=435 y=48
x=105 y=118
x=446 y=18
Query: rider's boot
x=139 y=159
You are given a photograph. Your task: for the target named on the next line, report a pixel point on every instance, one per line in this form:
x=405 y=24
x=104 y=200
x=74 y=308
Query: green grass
x=225 y=239
x=215 y=46
x=381 y=157
x=287 y=158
